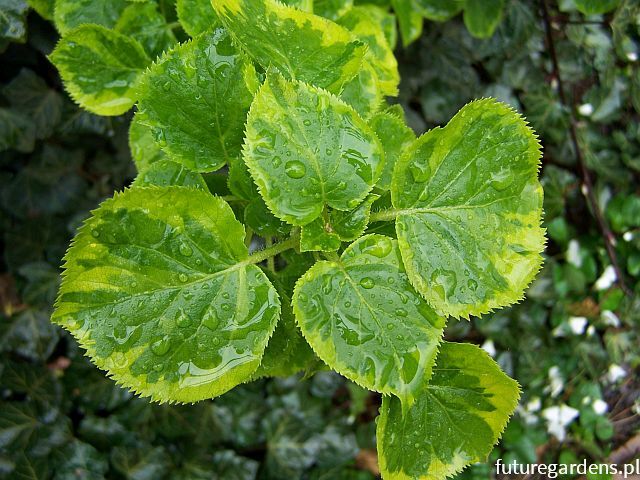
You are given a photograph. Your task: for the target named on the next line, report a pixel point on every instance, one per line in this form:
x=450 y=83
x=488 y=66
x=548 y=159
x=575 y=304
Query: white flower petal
x=607 y=279
x=578 y=324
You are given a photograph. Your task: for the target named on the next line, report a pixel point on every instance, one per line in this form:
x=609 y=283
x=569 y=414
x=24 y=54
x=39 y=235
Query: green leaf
x=596 y=7
x=439 y=10
x=455 y=422
x=319 y=236
x=396 y=137
x=43 y=7
x=72 y=13
x=29 y=94
x=196 y=16
x=144 y=148
x=331 y=9
x=13 y=16
x=165 y=173
x=300 y=45
x=17 y=131
x=158 y=289
x=258 y=217
x=365 y=23
x=240 y=181
x=196 y=99
x=362 y=91
x=482 y=17
x=351 y=224
x=307 y=149
x=100 y=68
x=363 y=319
x=147 y=26
x=469 y=207
x=409 y=20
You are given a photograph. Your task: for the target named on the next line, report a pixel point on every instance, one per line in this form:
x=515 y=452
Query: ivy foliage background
x=572 y=344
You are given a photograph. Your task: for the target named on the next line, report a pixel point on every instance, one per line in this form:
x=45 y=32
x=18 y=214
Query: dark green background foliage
x=61 y=418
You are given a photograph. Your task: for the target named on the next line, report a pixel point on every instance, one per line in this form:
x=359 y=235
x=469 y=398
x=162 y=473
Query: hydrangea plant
x=285 y=218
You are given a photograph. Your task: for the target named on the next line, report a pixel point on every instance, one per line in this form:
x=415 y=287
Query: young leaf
x=100 y=68
x=362 y=91
x=351 y=224
x=147 y=26
x=69 y=14
x=469 y=207
x=409 y=20
x=364 y=22
x=196 y=16
x=363 y=319
x=144 y=148
x=439 y=10
x=196 y=99
x=157 y=287
x=318 y=236
x=396 y=137
x=306 y=149
x=455 y=421
x=482 y=17
x=165 y=173
x=301 y=45
x=332 y=9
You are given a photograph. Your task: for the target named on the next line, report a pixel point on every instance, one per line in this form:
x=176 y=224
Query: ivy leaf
x=439 y=10
x=596 y=7
x=306 y=149
x=29 y=94
x=364 y=22
x=482 y=17
x=363 y=319
x=147 y=26
x=396 y=137
x=164 y=173
x=469 y=207
x=69 y=14
x=301 y=45
x=144 y=148
x=13 y=15
x=196 y=99
x=196 y=16
x=100 y=68
x=453 y=423
x=158 y=289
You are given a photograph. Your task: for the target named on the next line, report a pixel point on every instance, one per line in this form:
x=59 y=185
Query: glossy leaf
x=362 y=92
x=43 y=7
x=196 y=16
x=144 y=148
x=319 y=236
x=439 y=10
x=69 y=14
x=157 y=288
x=165 y=173
x=482 y=17
x=258 y=217
x=146 y=24
x=301 y=45
x=469 y=207
x=596 y=7
x=331 y=9
x=454 y=422
x=306 y=149
x=100 y=68
x=363 y=319
x=195 y=99
x=396 y=137
x=365 y=23
x=351 y=224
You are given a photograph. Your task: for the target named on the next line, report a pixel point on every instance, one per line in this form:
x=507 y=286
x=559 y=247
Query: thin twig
x=609 y=239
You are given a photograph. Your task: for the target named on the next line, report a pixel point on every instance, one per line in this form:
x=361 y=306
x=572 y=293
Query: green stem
x=232 y=198
x=271 y=264
x=272 y=251
x=332 y=256
x=383 y=215
x=174 y=25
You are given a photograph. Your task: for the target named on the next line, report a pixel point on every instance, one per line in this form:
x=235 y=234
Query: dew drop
x=277 y=161
x=347 y=304
x=295 y=169
x=382 y=248
x=186 y=250
x=182 y=319
x=158 y=367
x=183 y=277
x=401 y=312
x=367 y=283
x=210 y=320
x=307 y=122
x=161 y=346
x=95 y=233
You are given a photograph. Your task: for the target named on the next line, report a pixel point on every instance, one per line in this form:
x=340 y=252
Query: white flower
x=591 y=331
x=573 y=253
x=628 y=236
x=558 y=332
x=586 y=109
x=616 y=372
x=578 y=324
x=534 y=404
x=632 y=56
x=610 y=318
x=489 y=347
x=600 y=406
x=607 y=278
x=556 y=382
x=558 y=418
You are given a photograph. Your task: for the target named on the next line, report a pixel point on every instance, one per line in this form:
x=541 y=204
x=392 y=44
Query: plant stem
x=332 y=256
x=609 y=239
x=232 y=198
x=271 y=264
x=383 y=215
x=272 y=251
